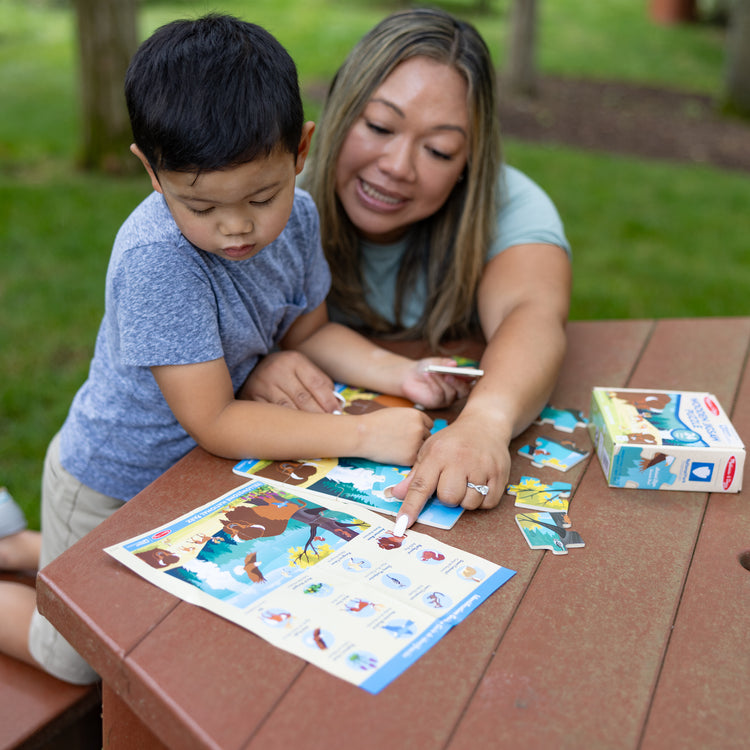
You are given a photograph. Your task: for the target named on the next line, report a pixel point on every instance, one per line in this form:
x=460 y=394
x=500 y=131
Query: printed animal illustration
x=289 y=472
x=641 y=438
x=644 y=401
x=657 y=458
x=381 y=401
x=391 y=541
x=252 y=569
x=158 y=558
x=246 y=522
x=318 y=639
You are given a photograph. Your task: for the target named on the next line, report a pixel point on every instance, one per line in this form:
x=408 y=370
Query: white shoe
x=12 y=519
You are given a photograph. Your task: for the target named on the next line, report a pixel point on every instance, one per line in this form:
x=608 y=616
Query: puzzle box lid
x=665 y=417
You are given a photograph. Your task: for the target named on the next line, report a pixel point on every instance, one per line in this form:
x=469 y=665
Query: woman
x=430 y=236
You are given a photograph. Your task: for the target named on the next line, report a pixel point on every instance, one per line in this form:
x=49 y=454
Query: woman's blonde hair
x=450 y=246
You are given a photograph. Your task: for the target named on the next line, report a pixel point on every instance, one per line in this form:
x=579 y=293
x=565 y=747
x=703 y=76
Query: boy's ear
x=154 y=179
x=304 y=145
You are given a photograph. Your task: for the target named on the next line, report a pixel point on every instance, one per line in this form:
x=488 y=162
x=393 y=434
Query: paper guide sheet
x=320 y=578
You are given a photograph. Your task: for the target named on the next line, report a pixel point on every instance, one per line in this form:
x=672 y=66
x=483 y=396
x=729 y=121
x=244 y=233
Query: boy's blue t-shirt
x=168 y=303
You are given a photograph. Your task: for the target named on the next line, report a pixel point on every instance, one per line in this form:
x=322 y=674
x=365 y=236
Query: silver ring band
x=482 y=489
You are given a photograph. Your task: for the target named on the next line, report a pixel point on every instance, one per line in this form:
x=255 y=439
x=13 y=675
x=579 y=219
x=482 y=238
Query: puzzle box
x=667 y=440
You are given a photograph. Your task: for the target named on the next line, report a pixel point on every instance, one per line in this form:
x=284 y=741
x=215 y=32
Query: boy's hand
x=434 y=390
x=393 y=435
x=290 y=379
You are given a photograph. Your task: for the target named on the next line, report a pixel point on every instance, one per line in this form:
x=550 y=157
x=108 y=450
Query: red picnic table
x=638 y=640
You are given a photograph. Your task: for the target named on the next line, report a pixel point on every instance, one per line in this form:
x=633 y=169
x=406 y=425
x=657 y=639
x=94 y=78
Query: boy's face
x=233 y=213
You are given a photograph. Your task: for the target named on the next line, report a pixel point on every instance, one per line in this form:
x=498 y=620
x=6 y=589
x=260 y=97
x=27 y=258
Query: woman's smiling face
x=406 y=151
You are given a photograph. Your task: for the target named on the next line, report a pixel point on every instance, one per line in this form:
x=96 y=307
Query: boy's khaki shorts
x=69 y=511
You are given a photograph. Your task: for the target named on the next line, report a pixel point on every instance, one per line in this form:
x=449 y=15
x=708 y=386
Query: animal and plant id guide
x=320 y=578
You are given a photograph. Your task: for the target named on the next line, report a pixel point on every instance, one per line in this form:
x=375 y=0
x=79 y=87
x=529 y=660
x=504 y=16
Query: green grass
x=56 y=237
x=649 y=239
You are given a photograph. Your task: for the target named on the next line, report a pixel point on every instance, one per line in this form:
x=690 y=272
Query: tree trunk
x=673 y=11
x=737 y=77
x=107 y=39
x=520 y=73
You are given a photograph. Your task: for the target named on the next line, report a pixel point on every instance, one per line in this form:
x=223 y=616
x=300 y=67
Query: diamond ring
x=482 y=489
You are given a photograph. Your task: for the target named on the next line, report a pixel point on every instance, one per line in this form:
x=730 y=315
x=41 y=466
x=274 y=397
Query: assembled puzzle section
x=669 y=440
x=549 y=526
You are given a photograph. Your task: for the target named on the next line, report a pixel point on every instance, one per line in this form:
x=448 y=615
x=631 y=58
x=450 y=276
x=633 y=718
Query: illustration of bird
x=252 y=569
x=647 y=463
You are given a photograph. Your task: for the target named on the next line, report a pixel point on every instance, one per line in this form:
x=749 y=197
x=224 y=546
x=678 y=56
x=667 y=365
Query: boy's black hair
x=212 y=93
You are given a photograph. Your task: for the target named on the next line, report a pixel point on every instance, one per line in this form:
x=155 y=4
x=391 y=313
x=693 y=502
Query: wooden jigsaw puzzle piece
x=556 y=455
x=565 y=420
x=533 y=494
x=548 y=531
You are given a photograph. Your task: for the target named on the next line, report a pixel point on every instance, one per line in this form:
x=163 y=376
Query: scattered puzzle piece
x=533 y=494
x=561 y=456
x=562 y=419
x=548 y=531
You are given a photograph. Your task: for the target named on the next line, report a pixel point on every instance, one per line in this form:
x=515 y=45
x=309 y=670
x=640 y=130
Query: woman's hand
x=434 y=390
x=469 y=450
x=289 y=378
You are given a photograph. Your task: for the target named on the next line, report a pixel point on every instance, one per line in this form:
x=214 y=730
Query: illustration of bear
x=644 y=402
x=158 y=558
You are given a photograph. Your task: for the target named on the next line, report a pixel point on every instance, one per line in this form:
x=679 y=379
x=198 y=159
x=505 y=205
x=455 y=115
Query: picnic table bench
x=38 y=711
x=638 y=640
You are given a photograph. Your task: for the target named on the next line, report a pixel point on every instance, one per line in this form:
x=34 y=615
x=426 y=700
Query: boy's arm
x=350 y=358
x=345 y=355
x=202 y=399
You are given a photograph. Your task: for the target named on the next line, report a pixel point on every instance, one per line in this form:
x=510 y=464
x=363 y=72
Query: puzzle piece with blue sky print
x=548 y=531
x=562 y=419
x=561 y=456
x=533 y=494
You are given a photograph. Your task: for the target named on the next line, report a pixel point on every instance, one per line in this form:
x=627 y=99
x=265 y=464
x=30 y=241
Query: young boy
x=219 y=265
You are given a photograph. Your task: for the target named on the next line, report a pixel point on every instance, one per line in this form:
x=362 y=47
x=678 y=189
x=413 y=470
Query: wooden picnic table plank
x=598 y=354
x=579 y=662
x=209 y=681
x=701 y=697
x=699 y=354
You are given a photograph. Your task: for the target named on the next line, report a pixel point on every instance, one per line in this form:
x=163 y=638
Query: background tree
x=520 y=74
x=737 y=76
x=673 y=11
x=107 y=39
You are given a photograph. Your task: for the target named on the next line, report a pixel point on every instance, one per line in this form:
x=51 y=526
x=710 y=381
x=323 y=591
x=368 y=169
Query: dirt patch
x=628 y=119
